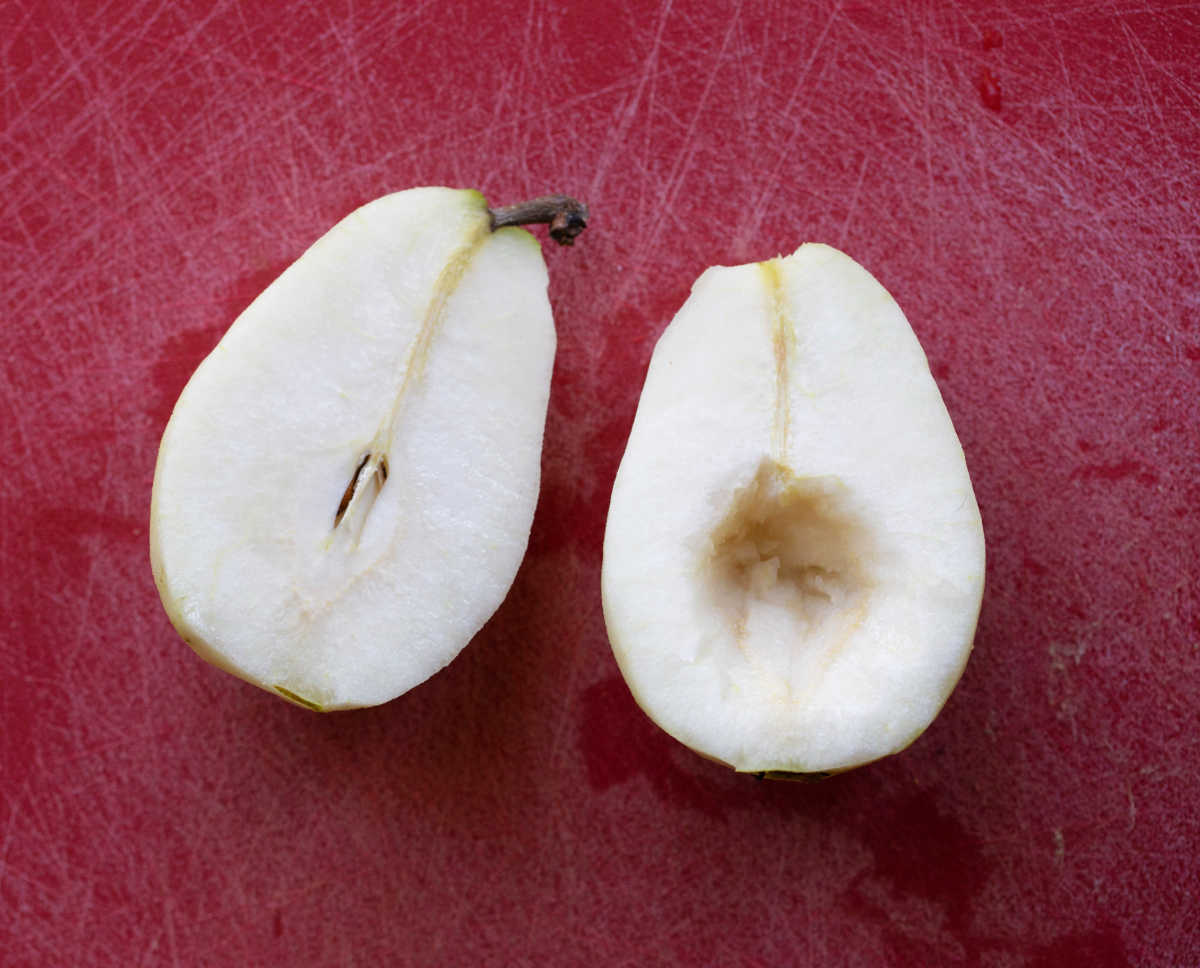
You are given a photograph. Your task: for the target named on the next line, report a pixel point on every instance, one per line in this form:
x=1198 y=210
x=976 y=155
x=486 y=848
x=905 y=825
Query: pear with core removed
x=345 y=489
x=794 y=559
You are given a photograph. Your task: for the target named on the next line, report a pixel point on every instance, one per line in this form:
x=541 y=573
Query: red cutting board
x=1023 y=177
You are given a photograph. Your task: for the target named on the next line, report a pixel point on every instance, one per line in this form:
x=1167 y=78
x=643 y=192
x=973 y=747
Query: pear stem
x=565 y=216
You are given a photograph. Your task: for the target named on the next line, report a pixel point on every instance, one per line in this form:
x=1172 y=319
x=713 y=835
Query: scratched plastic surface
x=1022 y=177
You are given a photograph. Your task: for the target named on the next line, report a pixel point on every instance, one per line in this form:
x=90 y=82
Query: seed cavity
x=363 y=473
x=788 y=542
x=788 y=573
x=351 y=488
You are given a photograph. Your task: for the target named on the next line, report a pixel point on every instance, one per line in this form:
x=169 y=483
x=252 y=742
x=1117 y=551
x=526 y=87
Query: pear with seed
x=793 y=559
x=345 y=488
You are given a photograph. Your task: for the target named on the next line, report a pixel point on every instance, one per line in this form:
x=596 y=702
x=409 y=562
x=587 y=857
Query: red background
x=1023 y=177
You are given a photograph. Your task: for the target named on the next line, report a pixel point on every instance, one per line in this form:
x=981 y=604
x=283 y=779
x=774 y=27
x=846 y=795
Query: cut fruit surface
x=345 y=489
x=793 y=560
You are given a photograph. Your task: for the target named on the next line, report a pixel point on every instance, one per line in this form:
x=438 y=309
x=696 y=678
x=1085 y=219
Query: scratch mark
x=750 y=226
x=10 y=827
x=680 y=167
x=616 y=139
x=853 y=206
x=927 y=139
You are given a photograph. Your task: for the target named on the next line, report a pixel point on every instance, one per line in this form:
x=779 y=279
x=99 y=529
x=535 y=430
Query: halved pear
x=794 y=559
x=345 y=489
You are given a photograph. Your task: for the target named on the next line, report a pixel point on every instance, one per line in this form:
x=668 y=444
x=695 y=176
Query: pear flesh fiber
x=794 y=559
x=345 y=489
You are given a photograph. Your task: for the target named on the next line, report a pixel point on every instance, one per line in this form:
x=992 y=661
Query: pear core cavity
x=789 y=544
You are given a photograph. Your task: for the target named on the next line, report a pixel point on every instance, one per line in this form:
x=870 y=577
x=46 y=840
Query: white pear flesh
x=794 y=558
x=399 y=373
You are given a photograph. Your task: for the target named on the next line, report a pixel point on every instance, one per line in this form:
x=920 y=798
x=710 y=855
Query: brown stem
x=565 y=216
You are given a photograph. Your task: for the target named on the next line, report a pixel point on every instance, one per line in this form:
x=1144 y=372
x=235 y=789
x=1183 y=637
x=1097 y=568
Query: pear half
x=345 y=489
x=794 y=559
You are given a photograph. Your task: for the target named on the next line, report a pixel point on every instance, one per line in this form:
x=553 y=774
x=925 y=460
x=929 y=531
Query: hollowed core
x=788 y=563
